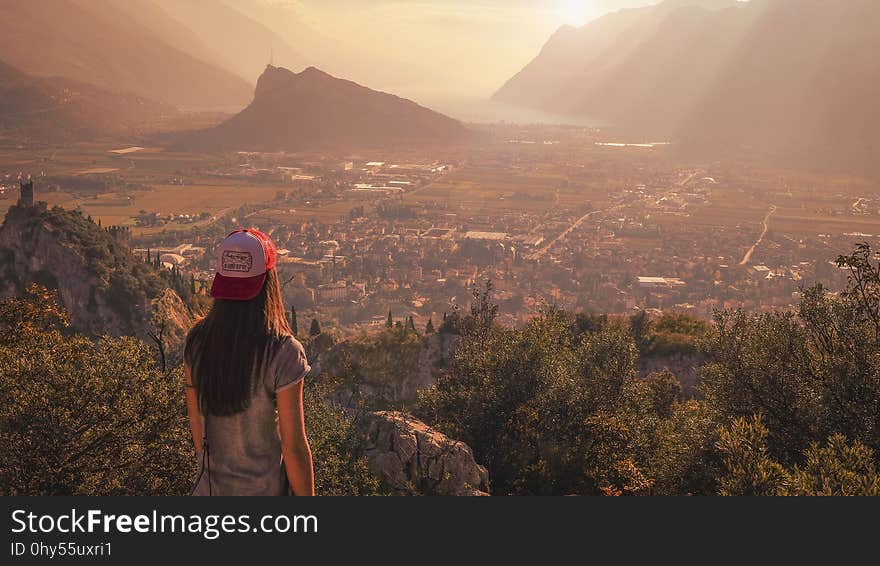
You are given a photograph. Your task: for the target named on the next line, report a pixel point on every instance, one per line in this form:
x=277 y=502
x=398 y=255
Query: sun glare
x=573 y=12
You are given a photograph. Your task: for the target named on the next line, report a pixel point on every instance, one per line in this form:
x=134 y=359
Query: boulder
x=414 y=459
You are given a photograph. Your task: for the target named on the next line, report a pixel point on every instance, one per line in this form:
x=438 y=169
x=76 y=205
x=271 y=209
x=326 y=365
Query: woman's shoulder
x=289 y=342
x=290 y=363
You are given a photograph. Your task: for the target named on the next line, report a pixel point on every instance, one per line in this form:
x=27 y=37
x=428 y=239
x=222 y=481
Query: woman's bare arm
x=294 y=444
x=195 y=414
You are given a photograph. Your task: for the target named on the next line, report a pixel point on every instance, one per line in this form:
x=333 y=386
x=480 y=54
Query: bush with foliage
x=84 y=417
x=836 y=467
x=789 y=402
x=551 y=411
x=79 y=417
x=337 y=441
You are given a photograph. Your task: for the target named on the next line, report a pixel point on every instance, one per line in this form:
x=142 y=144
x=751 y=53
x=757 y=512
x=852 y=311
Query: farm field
x=496 y=189
x=493 y=181
x=120 y=207
x=326 y=213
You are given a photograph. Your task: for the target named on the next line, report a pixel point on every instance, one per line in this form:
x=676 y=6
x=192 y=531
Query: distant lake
x=491 y=112
x=642 y=145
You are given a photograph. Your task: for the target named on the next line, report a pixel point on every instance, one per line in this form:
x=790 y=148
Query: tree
x=640 y=329
x=92 y=418
x=513 y=396
x=483 y=310
x=410 y=324
x=99 y=418
x=812 y=374
x=451 y=322
x=429 y=327
x=664 y=390
x=337 y=442
x=389 y=322
x=837 y=468
x=315 y=328
x=584 y=322
x=750 y=470
x=294 y=325
x=833 y=468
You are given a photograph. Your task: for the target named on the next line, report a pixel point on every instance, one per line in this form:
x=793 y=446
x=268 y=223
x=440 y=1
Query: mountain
x=58 y=110
x=102 y=285
x=791 y=78
x=635 y=60
x=804 y=83
x=156 y=18
x=243 y=44
x=311 y=109
x=116 y=47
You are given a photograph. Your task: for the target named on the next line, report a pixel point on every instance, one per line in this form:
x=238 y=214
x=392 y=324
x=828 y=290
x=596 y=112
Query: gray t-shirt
x=244 y=452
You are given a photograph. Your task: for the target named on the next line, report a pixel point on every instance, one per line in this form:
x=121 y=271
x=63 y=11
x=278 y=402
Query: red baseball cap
x=243 y=259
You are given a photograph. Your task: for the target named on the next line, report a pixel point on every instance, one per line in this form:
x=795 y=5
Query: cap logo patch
x=241 y=262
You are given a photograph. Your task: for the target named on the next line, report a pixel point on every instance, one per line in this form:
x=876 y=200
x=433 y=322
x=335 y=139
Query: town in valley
x=577 y=217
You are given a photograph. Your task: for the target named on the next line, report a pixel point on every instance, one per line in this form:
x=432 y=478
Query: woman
x=242 y=364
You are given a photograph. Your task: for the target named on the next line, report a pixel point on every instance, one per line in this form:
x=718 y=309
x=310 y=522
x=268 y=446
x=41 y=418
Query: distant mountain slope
x=797 y=78
x=56 y=109
x=102 y=43
x=154 y=17
x=629 y=61
x=805 y=81
x=244 y=44
x=311 y=109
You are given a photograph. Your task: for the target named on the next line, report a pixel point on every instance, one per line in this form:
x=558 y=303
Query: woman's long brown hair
x=226 y=348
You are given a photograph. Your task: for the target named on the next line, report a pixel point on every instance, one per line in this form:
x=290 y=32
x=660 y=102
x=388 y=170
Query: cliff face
x=105 y=289
x=388 y=369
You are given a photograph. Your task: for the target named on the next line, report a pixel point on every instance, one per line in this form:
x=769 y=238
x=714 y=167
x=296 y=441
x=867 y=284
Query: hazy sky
x=429 y=50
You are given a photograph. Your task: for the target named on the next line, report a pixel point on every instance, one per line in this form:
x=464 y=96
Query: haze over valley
x=654 y=222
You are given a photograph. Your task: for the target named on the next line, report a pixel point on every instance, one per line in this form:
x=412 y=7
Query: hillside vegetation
x=86 y=417
x=105 y=288
x=788 y=403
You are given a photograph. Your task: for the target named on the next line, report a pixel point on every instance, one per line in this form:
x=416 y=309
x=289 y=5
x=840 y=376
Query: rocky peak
x=104 y=288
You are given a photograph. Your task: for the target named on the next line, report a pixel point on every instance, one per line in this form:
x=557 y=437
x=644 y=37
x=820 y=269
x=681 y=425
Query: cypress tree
x=390 y=322
x=429 y=328
x=316 y=327
x=294 y=325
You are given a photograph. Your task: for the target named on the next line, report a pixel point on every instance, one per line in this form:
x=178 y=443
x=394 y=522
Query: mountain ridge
x=312 y=109
x=776 y=77
x=109 y=45
x=59 y=109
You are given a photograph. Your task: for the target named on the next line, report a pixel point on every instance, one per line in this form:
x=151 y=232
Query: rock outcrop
x=104 y=288
x=414 y=459
x=684 y=365
x=171 y=320
x=387 y=369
